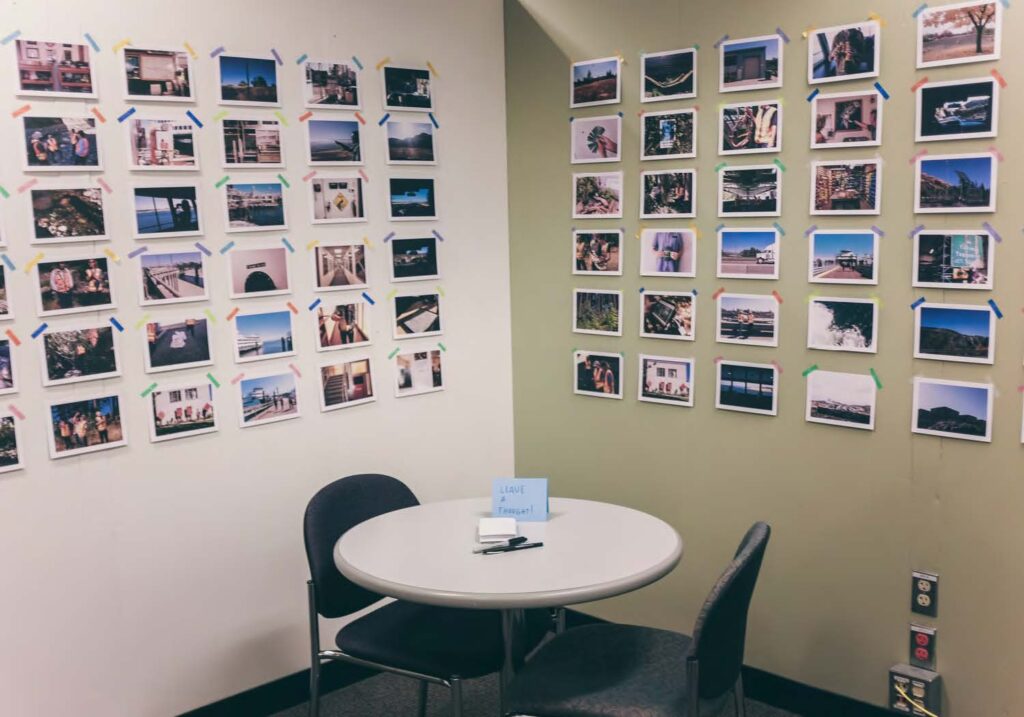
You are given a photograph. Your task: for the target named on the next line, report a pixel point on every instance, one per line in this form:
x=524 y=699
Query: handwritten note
x=524 y=499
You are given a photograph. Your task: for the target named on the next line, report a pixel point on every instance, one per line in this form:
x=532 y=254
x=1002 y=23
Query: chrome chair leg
x=741 y=707
x=559 y=619
x=421 y=705
x=456 y=686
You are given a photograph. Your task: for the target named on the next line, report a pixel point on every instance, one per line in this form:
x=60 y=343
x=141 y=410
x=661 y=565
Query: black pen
x=512 y=548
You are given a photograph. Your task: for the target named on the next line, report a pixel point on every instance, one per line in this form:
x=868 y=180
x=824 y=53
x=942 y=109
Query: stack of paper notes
x=495 y=530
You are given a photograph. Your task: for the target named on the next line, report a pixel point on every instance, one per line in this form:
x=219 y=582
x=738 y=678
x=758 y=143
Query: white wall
x=156 y=578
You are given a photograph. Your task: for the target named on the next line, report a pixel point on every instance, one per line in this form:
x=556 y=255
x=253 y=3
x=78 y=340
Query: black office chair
x=621 y=670
x=431 y=644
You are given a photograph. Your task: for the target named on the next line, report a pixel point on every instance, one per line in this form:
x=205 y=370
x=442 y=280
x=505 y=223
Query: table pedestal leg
x=513 y=632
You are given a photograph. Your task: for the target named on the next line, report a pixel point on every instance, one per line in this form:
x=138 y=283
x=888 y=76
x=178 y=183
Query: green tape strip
x=779 y=164
x=718 y=167
x=392 y=354
x=878 y=381
x=139 y=324
x=222 y=181
x=149 y=390
x=810 y=369
x=284 y=181
x=443 y=347
x=220 y=115
x=4 y=192
x=214 y=381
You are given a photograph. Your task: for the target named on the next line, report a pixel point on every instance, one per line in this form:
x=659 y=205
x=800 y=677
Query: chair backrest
x=335 y=509
x=720 y=633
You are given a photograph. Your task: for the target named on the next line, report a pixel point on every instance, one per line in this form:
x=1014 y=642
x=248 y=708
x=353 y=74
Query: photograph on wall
x=843 y=257
x=418 y=372
x=668 y=315
x=410 y=142
x=337 y=200
x=339 y=267
x=181 y=412
x=54 y=69
x=597 y=373
x=846 y=119
x=595 y=82
x=750 y=191
x=596 y=196
x=671 y=134
x=596 y=311
x=6 y=310
x=955 y=332
x=747 y=387
x=254 y=207
x=414 y=259
x=60 y=144
x=955 y=184
x=752 y=63
x=668 y=252
x=750 y=128
x=952 y=409
x=172 y=278
x=670 y=75
x=848 y=188
x=330 y=85
x=63 y=216
x=333 y=142
x=841 y=399
x=595 y=139
x=166 y=211
x=248 y=81
x=85 y=426
x=666 y=379
x=842 y=324
x=953 y=259
x=173 y=345
x=751 y=319
x=667 y=195
x=73 y=355
x=957 y=109
x=157 y=75
x=10 y=444
x=161 y=144
x=71 y=286
x=748 y=253
x=8 y=376
x=263 y=335
x=268 y=399
x=597 y=252
x=960 y=33
x=345 y=384
x=250 y=142
x=843 y=52
x=412 y=199
x=258 y=272
x=407 y=88
x=342 y=325
x=416 y=315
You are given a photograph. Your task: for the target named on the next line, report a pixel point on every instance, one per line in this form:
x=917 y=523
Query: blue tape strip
x=881 y=90
x=128 y=113
x=995 y=308
x=227 y=247
x=369 y=298
x=641 y=289
x=383 y=119
x=992 y=230
x=358 y=63
x=779 y=229
x=194 y=119
x=9 y=263
x=433 y=120
x=116 y=323
x=694 y=292
x=315 y=304
x=8 y=39
x=917 y=303
x=92 y=42
x=203 y=249
x=814 y=93
x=301 y=58
x=284 y=240
x=719 y=228
x=39 y=329
x=920 y=9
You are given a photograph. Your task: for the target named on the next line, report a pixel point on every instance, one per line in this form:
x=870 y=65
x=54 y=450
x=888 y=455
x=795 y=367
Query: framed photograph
x=414 y=259
x=336 y=200
x=6 y=310
x=750 y=128
x=846 y=119
x=841 y=399
x=747 y=387
x=418 y=372
x=407 y=88
x=670 y=75
x=595 y=82
x=843 y=52
x=254 y=207
x=597 y=311
x=412 y=199
x=54 y=69
x=595 y=139
x=410 y=141
x=416 y=315
x=251 y=142
x=955 y=259
x=10 y=444
x=259 y=272
x=8 y=375
x=843 y=257
x=268 y=399
x=750 y=191
x=842 y=324
x=668 y=315
x=597 y=253
x=752 y=63
x=343 y=325
x=85 y=426
x=748 y=253
x=955 y=184
x=181 y=411
x=344 y=384
x=957 y=109
x=955 y=332
x=60 y=144
x=166 y=211
x=86 y=352
x=339 y=267
x=958 y=34
x=669 y=194
x=666 y=379
x=248 y=81
x=751 y=319
x=157 y=75
x=671 y=134
x=73 y=285
x=174 y=345
x=330 y=85
x=597 y=196
x=158 y=145
x=263 y=335
x=597 y=373
x=853 y=187
x=68 y=215
x=172 y=278
x=668 y=252
x=952 y=409
x=331 y=142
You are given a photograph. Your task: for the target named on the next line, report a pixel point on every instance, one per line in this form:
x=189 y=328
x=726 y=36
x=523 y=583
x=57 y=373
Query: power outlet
x=922 y=646
x=924 y=594
x=912 y=688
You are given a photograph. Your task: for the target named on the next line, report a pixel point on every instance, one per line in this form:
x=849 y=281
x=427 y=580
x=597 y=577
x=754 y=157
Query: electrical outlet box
x=924 y=593
x=922 y=646
x=911 y=688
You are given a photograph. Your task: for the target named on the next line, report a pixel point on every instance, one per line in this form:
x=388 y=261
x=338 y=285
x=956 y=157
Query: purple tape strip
x=876 y=230
x=991 y=230
x=388 y=238
x=135 y=252
x=216 y=51
x=915 y=231
x=273 y=51
x=437 y=234
x=203 y=249
x=810 y=230
x=722 y=39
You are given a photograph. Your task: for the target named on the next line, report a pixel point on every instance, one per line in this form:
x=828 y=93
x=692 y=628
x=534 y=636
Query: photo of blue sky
x=771 y=46
x=596 y=69
x=977 y=169
x=969 y=322
x=737 y=240
x=280 y=383
x=826 y=246
x=239 y=70
x=967 y=400
x=270 y=327
x=151 y=260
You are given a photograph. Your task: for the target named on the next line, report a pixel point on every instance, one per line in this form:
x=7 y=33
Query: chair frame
x=692 y=677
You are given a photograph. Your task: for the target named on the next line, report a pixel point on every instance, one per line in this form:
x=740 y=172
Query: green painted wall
x=853 y=512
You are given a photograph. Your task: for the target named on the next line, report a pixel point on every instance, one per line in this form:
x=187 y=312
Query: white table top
x=591 y=551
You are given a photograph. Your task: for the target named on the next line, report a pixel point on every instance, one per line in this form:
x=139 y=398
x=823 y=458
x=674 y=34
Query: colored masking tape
x=991 y=230
x=227 y=247
x=383 y=62
x=810 y=230
x=305 y=116
x=201 y=247
x=315 y=304
x=384 y=118
x=213 y=380
x=369 y=298
x=995 y=308
x=277 y=56
x=881 y=90
x=113 y=255
x=141 y=322
x=135 y=252
x=920 y=9
x=877 y=231
x=222 y=181
x=437 y=234
x=232 y=314
x=292 y=307
x=126 y=114
x=99 y=115
x=14 y=410
x=718 y=292
x=295 y=370
x=191 y=51
x=121 y=45
x=722 y=39
x=388 y=238
x=220 y=115
x=95 y=47
x=216 y=51
x=301 y=58
x=13 y=337
x=288 y=244
x=917 y=303
x=442 y=346
x=437 y=126
x=33 y=261
x=358 y=63
x=309 y=176
x=103 y=183
x=433 y=69
x=39 y=329
x=310 y=245
x=719 y=166
x=814 y=93
x=999 y=77
x=117 y=324
x=777 y=295
x=779 y=164
x=363 y=175
x=194 y=119
x=996 y=153
x=810 y=369
x=359 y=116
x=27 y=186
x=779 y=229
x=392 y=354
x=878 y=381
x=3 y=192
x=148 y=390
x=779 y=31
x=284 y=181
x=237 y=378
x=210 y=316
x=281 y=118
x=915 y=231
x=9 y=263
x=8 y=39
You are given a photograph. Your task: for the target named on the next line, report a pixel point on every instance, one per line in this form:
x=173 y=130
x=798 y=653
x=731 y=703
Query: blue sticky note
x=524 y=499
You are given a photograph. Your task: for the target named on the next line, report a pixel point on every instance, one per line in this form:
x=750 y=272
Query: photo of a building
x=418 y=372
x=60 y=144
x=953 y=261
x=268 y=399
x=331 y=85
x=337 y=200
x=746 y=387
x=182 y=412
x=407 y=88
x=667 y=380
x=166 y=211
x=342 y=325
x=162 y=144
x=247 y=81
x=843 y=257
x=259 y=272
x=157 y=74
x=845 y=187
x=749 y=192
x=54 y=69
x=340 y=267
x=172 y=277
x=252 y=142
x=346 y=384
x=751 y=63
x=254 y=207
